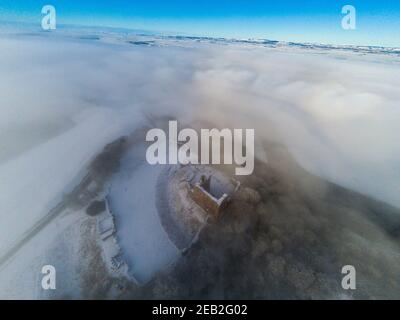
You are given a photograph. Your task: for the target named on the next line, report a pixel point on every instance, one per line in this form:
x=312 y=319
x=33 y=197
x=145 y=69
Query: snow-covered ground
x=34 y=183
x=21 y=276
x=143 y=240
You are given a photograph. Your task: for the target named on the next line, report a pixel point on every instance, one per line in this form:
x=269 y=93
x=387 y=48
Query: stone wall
x=207 y=201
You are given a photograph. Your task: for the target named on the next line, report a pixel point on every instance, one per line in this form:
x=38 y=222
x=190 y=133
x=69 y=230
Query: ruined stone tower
x=201 y=194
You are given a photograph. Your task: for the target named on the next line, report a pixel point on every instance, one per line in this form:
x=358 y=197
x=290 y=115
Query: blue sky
x=378 y=22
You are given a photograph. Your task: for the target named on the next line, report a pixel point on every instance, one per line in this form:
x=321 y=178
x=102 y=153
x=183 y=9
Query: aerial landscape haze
x=142 y=164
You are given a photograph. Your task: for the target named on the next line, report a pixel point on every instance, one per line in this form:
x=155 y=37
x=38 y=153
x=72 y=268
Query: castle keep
x=201 y=194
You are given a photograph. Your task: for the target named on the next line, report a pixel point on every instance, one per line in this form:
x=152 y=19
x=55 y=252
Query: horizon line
x=194 y=35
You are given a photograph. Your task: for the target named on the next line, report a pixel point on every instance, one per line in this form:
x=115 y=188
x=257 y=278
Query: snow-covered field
x=65 y=95
x=21 y=275
x=33 y=183
x=145 y=244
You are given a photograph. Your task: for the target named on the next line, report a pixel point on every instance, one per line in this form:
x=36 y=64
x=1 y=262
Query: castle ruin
x=201 y=194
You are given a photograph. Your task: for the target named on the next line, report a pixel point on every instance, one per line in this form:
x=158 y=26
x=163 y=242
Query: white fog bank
x=62 y=100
